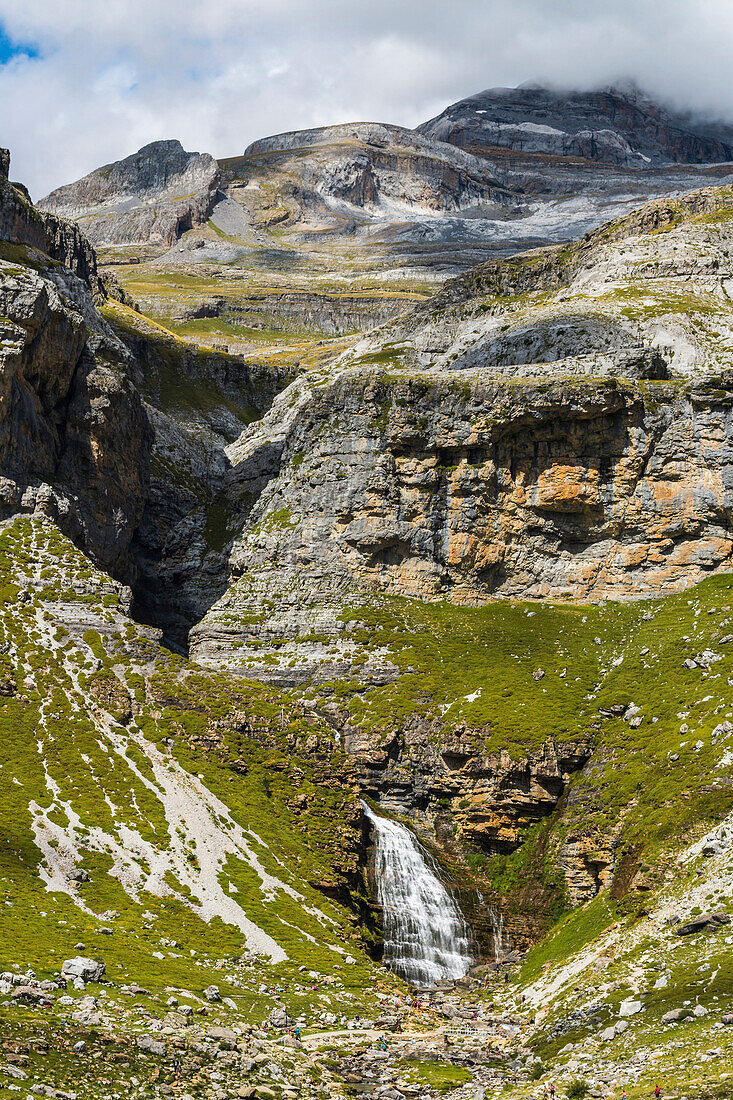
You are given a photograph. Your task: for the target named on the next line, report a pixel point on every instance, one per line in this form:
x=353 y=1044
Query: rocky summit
x=615 y=125
x=366 y=612
x=153 y=195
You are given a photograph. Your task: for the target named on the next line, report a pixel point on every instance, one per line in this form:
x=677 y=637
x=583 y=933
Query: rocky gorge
x=459 y=547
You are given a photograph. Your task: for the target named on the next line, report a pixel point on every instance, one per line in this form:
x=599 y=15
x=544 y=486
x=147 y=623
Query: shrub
x=577 y=1089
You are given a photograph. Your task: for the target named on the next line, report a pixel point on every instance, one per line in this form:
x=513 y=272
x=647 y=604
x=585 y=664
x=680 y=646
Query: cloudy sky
x=84 y=82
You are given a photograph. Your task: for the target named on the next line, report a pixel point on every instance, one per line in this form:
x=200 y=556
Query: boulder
x=222 y=1035
x=676 y=1015
x=699 y=924
x=388 y=1023
x=176 y=1019
x=86 y=970
x=212 y=994
x=79 y=875
x=15 y=1071
x=31 y=995
x=150 y=1045
x=279 y=1018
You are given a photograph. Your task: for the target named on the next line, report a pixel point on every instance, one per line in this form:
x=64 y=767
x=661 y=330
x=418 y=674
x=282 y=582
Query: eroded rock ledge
x=464 y=488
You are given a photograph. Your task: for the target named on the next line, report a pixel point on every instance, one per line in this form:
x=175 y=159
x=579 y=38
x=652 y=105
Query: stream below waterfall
x=426 y=938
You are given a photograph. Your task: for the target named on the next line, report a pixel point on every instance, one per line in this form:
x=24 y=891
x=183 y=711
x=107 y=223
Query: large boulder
x=279 y=1018
x=150 y=1045
x=699 y=924
x=676 y=1015
x=86 y=970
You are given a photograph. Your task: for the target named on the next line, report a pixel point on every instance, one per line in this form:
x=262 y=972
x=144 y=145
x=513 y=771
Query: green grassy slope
x=113 y=761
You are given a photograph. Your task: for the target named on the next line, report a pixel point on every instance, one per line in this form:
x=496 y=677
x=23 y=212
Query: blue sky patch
x=10 y=49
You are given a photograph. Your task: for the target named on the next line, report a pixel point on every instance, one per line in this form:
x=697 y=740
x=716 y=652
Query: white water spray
x=425 y=936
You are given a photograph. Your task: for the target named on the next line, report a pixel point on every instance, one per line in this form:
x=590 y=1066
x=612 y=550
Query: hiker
x=552 y=1092
x=657 y=1092
x=297 y=1034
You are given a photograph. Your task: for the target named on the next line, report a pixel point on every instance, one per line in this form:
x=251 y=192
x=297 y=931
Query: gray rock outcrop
x=88 y=970
x=367 y=163
x=151 y=196
x=70 y=414
x=617 y=125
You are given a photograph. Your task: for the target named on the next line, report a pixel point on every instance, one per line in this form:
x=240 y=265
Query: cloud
x=95 y=81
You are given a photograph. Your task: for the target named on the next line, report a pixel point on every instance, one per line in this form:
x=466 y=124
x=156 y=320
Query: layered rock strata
x=367 y=163
x=153 y=196
x=617 y=125
x=466 y=488
x=74 y=438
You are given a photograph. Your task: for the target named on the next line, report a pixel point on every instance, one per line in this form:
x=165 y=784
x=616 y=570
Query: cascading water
x=425 y=936
x=496 y=921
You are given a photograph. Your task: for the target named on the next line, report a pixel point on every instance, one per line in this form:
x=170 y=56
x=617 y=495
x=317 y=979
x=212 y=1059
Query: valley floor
x=133 y=864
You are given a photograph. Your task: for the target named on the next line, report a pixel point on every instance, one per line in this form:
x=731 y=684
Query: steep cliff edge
x=70 y=415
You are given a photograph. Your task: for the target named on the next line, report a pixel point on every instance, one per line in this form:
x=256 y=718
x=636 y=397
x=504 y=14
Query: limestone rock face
x=492 y=796
x=436 y=488
x=151 y=196
x=74 y=438
x=540 y=428
x=368 y=163
x=22 y=223
x=616 y=126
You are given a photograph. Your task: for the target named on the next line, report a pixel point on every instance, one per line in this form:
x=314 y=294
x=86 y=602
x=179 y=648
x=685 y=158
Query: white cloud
x=219 y=73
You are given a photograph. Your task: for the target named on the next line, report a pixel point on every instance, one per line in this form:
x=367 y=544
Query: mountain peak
x=156 y=193
x=617 y=124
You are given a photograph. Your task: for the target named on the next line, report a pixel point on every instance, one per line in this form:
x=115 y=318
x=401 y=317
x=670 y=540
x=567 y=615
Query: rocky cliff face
x=22 y=223
x=364 y=164
x=543 y=427
x=71 y=417
x=198 y=403
x=468 y=489
x=292 y=311
x=616 y=126
x=152 y=196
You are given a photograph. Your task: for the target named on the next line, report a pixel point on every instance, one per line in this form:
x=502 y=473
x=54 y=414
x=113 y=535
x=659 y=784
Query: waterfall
x=425 y=936
x=497 y=928
x=497 y=931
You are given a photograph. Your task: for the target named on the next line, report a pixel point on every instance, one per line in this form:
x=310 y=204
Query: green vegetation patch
x=439 y=1076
